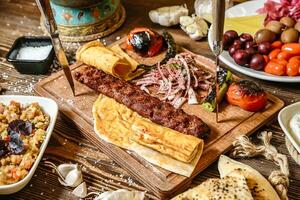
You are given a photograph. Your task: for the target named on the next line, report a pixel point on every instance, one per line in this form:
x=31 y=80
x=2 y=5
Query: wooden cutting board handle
x=218 y=16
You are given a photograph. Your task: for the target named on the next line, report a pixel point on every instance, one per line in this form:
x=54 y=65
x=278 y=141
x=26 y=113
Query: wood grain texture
x=67 y=144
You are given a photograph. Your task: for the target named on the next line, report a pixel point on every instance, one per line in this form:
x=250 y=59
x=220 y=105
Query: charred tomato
x=144 y=41
x=247 y=95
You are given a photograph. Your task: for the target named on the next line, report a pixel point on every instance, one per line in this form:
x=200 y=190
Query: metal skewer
x=45 y=9
x=217 y=29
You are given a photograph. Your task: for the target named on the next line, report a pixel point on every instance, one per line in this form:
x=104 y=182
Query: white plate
x=284 y=118
x=49 y=107
x=245 y=9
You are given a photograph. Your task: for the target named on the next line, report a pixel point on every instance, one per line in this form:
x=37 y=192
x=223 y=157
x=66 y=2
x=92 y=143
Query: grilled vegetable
x=144 y=41
x=172 y=49
x=224 y=79
x=247 y=95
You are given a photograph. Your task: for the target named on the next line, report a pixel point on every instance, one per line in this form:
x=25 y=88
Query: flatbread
x=228 y=188
x=257 y=183
x=110 y=60
x=114 y=122
x=121 y=194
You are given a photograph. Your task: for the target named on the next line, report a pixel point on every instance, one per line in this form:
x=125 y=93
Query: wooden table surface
x=20 y=18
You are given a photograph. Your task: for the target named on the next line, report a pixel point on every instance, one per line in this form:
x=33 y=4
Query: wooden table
x=67 y=144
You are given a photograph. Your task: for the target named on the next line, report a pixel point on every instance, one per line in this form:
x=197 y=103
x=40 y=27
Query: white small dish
x=284 y=118
x=246 y=9
x=49 y=107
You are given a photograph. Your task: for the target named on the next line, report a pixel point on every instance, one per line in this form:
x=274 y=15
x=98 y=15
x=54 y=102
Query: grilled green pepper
x=224 y=80
x=172 y=49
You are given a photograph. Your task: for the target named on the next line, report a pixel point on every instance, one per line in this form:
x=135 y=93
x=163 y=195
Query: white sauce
x=295 y=125
x=34 y=53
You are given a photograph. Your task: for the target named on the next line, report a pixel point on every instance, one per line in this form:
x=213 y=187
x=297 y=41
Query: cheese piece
x=228 y=188
x=245 y=24
x=259 y=186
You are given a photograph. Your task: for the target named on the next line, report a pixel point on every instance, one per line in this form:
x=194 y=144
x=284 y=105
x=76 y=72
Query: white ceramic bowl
x=284 y=118
x=245 y=9
x=49 y=107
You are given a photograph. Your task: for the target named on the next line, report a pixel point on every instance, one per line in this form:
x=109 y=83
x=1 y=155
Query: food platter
x=246 y=9
x=162 y=182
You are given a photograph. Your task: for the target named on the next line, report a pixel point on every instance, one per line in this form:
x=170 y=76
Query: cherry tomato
x=266 y=58
x=276 y=45
x=275 y=68
x=273 y=54
x=282 y=62
x=292 y=48
x=284 y=55
x=294 y=59
x=292 y=68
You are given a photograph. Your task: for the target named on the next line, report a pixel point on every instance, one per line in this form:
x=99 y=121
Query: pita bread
x=227 y=188
x=259 y=185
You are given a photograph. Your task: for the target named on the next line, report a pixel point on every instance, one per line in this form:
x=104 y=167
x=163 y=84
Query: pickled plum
x=264 y=48
x=233 y=48
x=232 y=34
x=227 y=42
x=241 y=57
x=257 y=62
x=246 y=37
x=250 y=50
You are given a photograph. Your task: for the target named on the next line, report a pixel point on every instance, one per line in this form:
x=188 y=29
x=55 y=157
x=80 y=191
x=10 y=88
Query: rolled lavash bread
x=97 y=55
x=123 y=127
x=167 y=141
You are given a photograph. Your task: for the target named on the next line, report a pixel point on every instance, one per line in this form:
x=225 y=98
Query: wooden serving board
x=234 y=122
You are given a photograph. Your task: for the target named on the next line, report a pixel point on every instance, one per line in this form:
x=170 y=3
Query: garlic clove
x=72 y=175
x=196 y=36
x=168 y=16
x=64 y=169
x=153 y=14
x=192 y=28
x=202 y=25
x=186 y=20
x=73 y=178
x=80 y=190
x=121 y=194
x=69 y=174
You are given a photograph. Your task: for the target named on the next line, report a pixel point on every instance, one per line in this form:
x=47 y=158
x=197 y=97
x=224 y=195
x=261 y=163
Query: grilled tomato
x=144 y=41
x=247 y=95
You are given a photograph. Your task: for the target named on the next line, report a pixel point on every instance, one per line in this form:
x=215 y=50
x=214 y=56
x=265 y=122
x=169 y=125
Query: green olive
x=264 y=35
x=289 y=35
x=288 y=22
x=275 y=26
x=297 y=26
